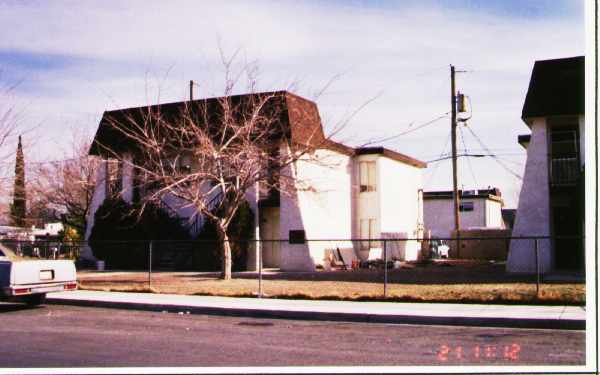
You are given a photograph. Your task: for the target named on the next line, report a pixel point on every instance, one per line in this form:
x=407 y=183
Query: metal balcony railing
x=564 y=171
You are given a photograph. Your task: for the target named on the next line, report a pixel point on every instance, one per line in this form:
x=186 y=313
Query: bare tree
x=9 y=116
x=9 y=125
x=211 y=154
x=65 y=188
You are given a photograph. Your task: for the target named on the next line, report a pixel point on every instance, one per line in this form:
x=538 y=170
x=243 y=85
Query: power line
x=462 y=138
x=520 y=164
x=493 y=155
x=436 y=166
x=409 y=129
x=448 y=157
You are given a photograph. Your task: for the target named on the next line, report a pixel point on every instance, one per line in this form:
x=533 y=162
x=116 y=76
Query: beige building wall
x=321 y=207
x=400 y=208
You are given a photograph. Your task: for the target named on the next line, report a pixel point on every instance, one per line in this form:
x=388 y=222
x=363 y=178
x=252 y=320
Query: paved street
x=67 y=336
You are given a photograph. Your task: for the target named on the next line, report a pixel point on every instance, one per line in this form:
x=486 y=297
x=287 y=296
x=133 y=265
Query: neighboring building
x=480 y=208
x=355 y=193
x=551 y=202
x=8 y=232
x=49 y=232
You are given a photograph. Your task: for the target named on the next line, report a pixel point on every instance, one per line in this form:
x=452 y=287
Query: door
x=269 y=230
x=568 y=251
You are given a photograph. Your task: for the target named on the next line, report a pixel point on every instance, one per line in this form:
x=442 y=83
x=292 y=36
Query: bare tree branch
x=209 y=154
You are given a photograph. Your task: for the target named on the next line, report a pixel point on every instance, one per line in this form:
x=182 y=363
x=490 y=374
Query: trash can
x=100 y=265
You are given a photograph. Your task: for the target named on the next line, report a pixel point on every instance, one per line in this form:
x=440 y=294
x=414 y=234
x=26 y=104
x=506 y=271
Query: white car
x=28 y=281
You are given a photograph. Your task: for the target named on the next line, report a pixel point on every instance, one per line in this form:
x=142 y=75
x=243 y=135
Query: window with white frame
x=367 y=230
x=367 y=175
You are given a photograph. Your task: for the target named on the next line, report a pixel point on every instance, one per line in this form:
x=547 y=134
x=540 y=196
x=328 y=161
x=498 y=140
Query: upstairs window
x=114 y=177
x=367 y=176
x=564 y=144
x=564 y=150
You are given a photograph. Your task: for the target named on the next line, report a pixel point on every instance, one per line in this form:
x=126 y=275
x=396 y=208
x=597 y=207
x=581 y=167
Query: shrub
x=120 y=235
x=208 y=253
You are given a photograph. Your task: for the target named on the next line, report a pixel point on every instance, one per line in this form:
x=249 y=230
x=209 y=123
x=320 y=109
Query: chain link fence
x=284 y=267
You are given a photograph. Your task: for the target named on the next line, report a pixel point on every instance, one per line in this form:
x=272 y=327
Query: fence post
x=537 y=269
x=150 y=265
x=385 y=268
x=260 y=263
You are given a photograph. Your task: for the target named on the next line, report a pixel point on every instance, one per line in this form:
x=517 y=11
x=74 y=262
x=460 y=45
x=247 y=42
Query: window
x=114 y=177
x=297 y=237
x=367 y=176
x=564 y=166
x=564 y=144
x=367 y=230
x=465 y=206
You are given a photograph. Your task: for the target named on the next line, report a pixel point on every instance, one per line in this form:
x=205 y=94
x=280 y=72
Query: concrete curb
x=568 y=324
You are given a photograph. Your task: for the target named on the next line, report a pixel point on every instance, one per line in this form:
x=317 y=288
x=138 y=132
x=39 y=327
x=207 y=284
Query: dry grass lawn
x=432 y=284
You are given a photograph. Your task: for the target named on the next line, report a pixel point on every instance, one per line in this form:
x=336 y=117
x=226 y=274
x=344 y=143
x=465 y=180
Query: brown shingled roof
x=298 y=118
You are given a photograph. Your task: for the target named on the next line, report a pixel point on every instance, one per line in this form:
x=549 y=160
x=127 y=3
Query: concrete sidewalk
x=513 y=316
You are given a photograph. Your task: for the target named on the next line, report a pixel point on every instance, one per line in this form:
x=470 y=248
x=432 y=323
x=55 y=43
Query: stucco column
x=253 y=258
x=100 y=191
x=533 y=212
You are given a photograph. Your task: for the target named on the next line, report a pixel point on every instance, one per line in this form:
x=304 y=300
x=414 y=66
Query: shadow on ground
x=8 y=307
x=431 y=274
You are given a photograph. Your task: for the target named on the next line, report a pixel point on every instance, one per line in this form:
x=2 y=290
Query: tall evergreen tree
x=18 y=208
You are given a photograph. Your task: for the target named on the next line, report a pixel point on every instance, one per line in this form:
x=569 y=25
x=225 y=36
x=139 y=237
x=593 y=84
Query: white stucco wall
x=326 y=205
x=493 y=214
x=253 y=258
x=321 y=207
x=400 y=215
x=439 y=215
x=368 y=202
x=533 y=212
x=97 y=199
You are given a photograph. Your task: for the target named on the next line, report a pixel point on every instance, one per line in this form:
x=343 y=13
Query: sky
x=71 y=61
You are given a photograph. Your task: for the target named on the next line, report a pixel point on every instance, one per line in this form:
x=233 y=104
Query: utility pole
x=454 y=161
x=191 y=90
